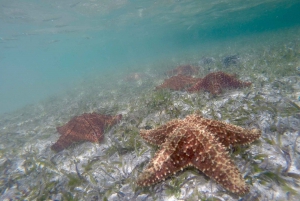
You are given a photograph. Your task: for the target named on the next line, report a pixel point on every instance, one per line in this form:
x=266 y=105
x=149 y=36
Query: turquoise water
x=47 y=47
x=61 y=59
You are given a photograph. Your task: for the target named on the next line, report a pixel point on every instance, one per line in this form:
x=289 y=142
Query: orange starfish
x=183 y=70
x=178 y=82
x=86 y=127
x=198 y=142
x=215 y=82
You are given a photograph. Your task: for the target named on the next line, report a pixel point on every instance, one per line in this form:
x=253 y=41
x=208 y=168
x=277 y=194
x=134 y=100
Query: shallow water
x=46 y=46
x=60 y=59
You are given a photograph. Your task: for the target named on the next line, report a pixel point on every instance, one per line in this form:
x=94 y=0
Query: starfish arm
x=178 y=82
x=216 y=81
x=109 y=121
x=158 y=136
x=165 y=162
x=196 y=87
x=83 y=127
x=67 y=128
x=86 y=127
x=228 y=134
x=215 y=88
x=61 y=143
x=80 y=128
x=214 y=161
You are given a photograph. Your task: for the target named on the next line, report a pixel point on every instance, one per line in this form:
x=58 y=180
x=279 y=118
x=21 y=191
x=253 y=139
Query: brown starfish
x=86 y=127
x=183 y=70
x=198 y=142
x=215 y=82
x=178 y=82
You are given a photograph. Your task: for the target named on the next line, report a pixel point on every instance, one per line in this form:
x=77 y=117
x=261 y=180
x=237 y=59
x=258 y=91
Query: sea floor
x=30 y=170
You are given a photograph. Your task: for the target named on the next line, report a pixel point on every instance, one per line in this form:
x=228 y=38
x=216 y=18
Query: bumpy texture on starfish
x=178 y=82
x=183 y=70
x=86 y=127
x=199 y=142
x=215 y=82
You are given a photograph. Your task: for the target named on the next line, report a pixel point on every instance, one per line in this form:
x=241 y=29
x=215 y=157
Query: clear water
x=62 y=58
x=46 y=46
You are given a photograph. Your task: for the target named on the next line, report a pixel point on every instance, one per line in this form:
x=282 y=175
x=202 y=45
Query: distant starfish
x=198 y=142
x=86 y=127
x=216 y=81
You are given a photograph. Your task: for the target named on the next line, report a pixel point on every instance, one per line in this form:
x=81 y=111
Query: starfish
x=86 y=127
x=215 y=82
x=198 y=142
x=183 y=70
x=178 y=82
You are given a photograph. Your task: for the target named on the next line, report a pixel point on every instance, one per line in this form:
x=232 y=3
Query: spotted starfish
x=86 y=127
x=198 y=142
x=216 y=81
